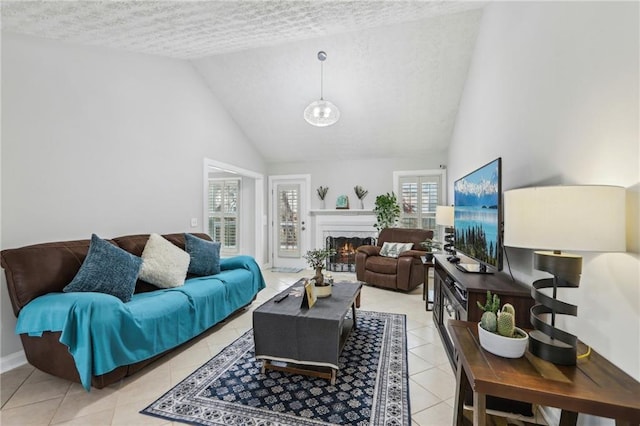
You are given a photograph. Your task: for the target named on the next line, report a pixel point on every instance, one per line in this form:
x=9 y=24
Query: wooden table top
x=593 y=386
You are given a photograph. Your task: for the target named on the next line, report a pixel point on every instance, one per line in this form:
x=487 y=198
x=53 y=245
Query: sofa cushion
x=394 y=249
x=205 y=255
x=163 y=264
x=106 y=269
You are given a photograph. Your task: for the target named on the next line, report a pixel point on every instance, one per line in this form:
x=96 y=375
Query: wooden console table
x=593 y=386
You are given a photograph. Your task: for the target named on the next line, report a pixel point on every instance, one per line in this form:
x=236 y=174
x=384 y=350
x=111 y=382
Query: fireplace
x=345 y=258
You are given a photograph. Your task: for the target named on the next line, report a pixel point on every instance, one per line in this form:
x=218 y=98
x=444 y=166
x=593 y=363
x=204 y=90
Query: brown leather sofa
x=405 y=272
x=39 y=269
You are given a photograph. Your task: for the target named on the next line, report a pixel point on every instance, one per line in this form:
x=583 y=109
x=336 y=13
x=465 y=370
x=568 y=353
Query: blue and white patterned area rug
x=372 y=385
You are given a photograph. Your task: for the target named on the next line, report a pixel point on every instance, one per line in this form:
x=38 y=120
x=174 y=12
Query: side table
x=592 y=386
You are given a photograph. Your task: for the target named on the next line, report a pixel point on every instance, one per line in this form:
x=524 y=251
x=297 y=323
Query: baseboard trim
x=12 y=361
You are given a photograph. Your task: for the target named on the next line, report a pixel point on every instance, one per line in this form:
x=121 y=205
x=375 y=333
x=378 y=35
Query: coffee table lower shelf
x=307 y=370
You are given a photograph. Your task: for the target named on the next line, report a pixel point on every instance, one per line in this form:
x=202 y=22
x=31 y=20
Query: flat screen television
x=478 y=218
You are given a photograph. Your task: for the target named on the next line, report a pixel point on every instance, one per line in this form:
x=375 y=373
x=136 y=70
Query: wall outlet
x=194 y=222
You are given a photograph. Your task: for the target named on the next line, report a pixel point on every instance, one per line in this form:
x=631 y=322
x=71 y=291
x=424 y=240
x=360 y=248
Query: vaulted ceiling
x=395 y=69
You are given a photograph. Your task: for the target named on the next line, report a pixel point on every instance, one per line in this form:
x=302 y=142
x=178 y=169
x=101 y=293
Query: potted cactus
x=497 y=329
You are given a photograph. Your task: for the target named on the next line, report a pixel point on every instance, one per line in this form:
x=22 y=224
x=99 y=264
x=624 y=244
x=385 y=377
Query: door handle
x=303 y=228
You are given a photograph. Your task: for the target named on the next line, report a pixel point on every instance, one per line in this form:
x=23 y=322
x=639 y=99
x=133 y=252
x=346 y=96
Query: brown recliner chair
x=405 y=272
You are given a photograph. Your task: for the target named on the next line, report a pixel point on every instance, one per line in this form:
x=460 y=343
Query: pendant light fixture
x=321 y=113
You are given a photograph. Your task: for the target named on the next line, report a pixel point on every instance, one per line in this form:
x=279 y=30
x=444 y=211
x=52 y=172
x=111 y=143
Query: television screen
x=478 y=215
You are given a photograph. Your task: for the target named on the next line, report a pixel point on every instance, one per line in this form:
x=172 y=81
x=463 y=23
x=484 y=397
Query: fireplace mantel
x=341 y=212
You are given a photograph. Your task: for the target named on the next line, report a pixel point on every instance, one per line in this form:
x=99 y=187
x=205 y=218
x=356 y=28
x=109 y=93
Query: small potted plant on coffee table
x=317 y=259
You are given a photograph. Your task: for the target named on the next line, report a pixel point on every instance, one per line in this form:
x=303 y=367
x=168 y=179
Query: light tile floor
x=31 y=397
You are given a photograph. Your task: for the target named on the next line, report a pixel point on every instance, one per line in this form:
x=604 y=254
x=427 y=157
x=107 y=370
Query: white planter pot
x=323 y=291
x=508 y=347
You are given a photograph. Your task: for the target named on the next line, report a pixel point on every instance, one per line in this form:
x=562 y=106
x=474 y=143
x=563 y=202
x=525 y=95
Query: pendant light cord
x=321 y=81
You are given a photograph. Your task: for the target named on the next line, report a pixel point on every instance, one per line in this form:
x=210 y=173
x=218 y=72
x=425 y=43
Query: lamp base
x=449 y=238
x=547 y=341
x=552 y=350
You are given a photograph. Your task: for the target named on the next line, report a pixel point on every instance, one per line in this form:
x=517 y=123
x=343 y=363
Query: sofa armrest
x=369 y=250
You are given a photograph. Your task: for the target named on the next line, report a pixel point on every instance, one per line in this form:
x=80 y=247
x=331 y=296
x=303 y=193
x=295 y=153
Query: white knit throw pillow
x=394 y=249
x=163 y=264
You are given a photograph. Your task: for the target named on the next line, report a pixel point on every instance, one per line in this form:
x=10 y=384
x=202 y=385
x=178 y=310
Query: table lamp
x=444 y=217
x=580 y=218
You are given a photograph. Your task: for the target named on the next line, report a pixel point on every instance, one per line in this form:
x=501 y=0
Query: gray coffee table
x=305 y=341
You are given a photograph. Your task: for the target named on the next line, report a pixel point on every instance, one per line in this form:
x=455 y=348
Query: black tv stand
x=474 y=268
x=456 y=295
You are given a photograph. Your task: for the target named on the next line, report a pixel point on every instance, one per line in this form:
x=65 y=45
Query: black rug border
x=298 y=421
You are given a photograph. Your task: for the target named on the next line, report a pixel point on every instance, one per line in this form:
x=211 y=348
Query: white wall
x=553 y=89
x=95 y=140
x=374 y=175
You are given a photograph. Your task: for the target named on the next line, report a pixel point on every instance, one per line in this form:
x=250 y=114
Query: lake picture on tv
x=477 y=207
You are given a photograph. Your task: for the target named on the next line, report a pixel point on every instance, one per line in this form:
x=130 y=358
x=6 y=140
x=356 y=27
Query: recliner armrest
x=413 y=253
x=369 y=250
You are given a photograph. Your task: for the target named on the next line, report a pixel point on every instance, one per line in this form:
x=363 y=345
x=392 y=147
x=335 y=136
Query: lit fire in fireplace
x=345 y=257
x=346 y=251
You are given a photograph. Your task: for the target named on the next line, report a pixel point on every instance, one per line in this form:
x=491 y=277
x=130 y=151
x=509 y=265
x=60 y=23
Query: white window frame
x=441 y=173
x=224 y=249
x=259 y=214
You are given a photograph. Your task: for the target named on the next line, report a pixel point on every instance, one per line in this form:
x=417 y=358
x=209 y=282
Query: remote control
x=280 y=298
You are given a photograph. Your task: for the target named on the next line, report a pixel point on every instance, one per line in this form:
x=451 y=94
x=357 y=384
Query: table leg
x=568 y=418
x=458 y=409
x=425 y=289
x=479 y=409
x=425 y=286
x=353 y=311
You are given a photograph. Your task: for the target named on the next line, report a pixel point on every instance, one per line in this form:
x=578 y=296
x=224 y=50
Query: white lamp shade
x=321 y=113
x=444 y=215
x=576 y=218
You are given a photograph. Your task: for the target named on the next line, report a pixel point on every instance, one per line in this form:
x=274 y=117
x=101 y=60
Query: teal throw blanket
x=103 y=333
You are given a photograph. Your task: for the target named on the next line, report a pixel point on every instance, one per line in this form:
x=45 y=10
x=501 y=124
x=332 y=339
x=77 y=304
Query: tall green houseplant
x=387 y=211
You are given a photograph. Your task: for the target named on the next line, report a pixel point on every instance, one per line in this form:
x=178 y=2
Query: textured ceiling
x=194 y=29
x=396 y=69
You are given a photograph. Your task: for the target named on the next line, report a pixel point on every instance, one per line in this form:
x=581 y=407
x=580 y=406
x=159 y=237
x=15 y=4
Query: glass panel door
x=289 y=204
x=288 y=215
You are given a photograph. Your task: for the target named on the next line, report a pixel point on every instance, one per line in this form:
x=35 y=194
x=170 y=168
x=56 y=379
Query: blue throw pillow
x=107 y=269
x=205 y=255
